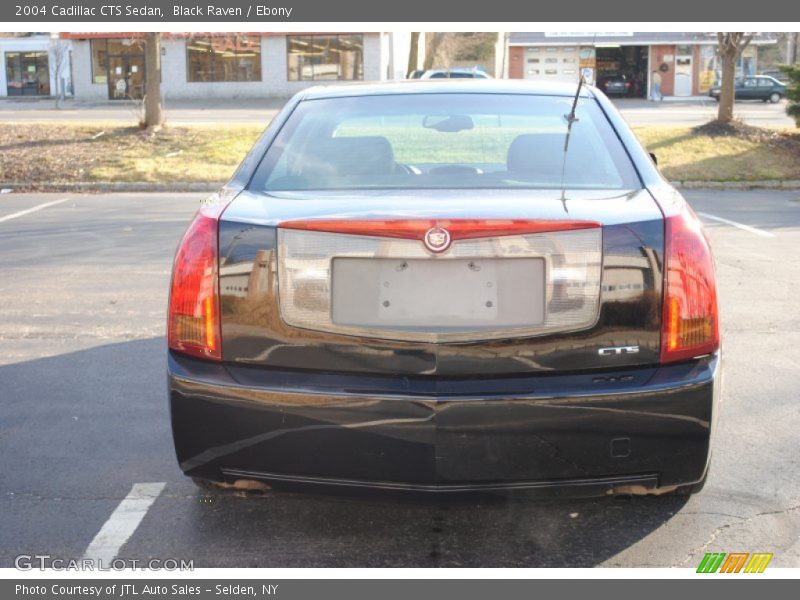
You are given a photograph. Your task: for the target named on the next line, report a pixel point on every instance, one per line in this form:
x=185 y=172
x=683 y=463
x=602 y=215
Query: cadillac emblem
x=437 y=239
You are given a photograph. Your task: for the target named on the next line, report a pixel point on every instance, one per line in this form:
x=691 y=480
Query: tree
x=413 y=54
x=433 y=43
x=731 y=46
x=153 y=111
x=793 y=91
x=59 y=54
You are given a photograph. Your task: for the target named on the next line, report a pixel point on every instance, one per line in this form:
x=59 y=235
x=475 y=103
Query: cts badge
x=437 y=239
x=614 y=350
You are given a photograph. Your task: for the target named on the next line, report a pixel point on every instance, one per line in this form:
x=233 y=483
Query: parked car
x=760 y=87
x=446 y=287
x=778 y=75
x=456 y=73
x=615 y=85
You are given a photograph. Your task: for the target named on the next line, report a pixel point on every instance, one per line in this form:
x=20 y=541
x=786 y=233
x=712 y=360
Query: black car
x=760 y=87
x=615 y=85
x=446 y=287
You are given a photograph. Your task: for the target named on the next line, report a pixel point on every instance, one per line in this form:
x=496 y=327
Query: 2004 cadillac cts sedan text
x=446 y=286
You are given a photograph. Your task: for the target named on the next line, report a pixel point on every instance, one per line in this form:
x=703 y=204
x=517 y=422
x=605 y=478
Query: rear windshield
x=445 y=141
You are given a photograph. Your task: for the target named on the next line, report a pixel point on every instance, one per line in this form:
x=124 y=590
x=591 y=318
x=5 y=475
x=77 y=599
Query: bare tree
x=153 y=110
x=413 y=54
x=59 y=60
x=731 y=46
x=433 y=42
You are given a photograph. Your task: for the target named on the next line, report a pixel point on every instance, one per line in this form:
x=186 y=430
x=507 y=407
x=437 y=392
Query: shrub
x=793 y=91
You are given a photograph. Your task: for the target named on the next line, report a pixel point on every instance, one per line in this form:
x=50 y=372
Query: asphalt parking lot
x=83 y=289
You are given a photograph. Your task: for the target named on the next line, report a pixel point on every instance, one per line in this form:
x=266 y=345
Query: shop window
x=99 y=61
x=325 y=57
x=27 y=74
x=223 y=58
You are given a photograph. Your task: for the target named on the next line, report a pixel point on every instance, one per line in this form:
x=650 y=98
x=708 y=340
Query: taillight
x=194 y=323
x=690 y=322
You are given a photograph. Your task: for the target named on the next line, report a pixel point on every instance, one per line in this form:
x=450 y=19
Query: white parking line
x=123 y=522
x=28 y=211
x=741 y=226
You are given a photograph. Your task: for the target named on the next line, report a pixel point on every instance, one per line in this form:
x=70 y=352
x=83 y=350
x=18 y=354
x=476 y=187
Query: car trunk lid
x=344 y=281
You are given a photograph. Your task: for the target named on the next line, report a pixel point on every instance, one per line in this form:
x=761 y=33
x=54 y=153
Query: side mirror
x=653 y=156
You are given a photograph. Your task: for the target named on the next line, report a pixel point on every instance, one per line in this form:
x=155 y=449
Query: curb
x=113 y=186
x=177 y=187
x=767 y=184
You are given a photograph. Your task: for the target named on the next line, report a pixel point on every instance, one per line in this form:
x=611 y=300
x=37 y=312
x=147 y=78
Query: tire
x=774 y=97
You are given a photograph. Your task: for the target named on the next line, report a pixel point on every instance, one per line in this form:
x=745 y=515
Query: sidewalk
x=674 y=111
x=177 y=112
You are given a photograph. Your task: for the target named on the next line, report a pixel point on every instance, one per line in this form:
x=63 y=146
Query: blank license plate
x=438 y=294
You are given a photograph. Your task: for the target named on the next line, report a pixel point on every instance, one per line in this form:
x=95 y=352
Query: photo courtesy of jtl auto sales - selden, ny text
x=417 y=300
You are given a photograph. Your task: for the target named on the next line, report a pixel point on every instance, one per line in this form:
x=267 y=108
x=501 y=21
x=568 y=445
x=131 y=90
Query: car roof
x=453 y=86
x=456 y=70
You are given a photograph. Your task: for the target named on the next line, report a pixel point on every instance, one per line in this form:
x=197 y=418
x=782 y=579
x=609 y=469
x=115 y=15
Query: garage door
x=552 y=63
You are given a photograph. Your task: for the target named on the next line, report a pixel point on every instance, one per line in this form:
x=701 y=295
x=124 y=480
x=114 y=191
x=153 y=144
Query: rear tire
x=774 y=97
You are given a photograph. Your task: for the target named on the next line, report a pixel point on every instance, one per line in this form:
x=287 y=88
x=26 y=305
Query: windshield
x=445 y=141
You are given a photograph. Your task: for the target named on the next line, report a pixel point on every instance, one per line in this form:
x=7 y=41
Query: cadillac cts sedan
x=446 y=287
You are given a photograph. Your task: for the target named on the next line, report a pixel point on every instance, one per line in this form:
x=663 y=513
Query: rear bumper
x=644 y=429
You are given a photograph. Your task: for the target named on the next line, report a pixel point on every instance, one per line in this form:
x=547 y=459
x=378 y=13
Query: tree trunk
x=726 y=96
x=432 y=43
x=153 y=111
x=413 y=54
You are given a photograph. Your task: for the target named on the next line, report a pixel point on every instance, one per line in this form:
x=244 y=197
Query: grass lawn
x=86 y=152
x=685 y=156
x=83 y=152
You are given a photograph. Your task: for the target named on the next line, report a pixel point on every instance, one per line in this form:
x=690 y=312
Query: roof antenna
x=571 y=119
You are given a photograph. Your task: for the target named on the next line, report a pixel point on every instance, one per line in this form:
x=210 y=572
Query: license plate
x=438 y=294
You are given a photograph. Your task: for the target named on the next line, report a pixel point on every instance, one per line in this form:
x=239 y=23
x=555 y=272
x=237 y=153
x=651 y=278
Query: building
x=34 y=65
x=687 y=62
x=111 y=66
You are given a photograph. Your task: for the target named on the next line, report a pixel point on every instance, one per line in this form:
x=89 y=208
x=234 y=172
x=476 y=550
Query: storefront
x=29 y=65
x=110 y=66
x=686 y=62
x=118 y=63
x=27 y=74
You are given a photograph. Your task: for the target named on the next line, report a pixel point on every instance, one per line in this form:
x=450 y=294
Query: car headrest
x=536 y=153
x=343 y=156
